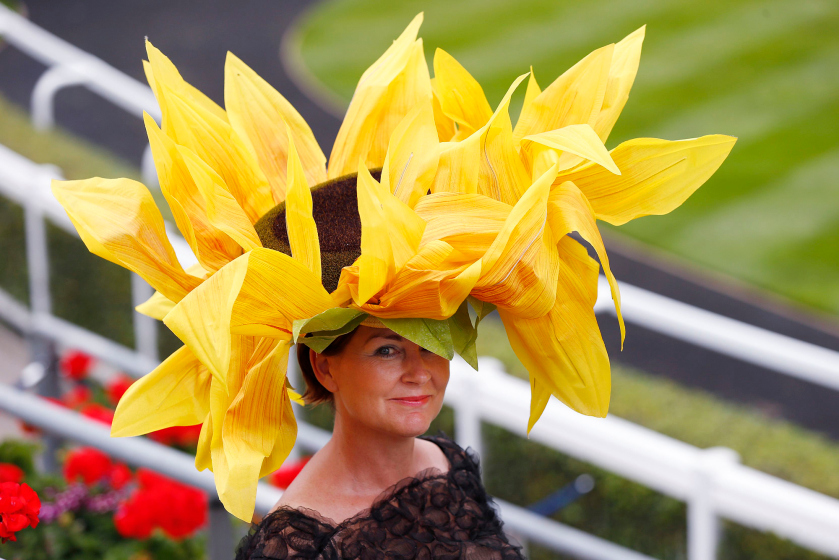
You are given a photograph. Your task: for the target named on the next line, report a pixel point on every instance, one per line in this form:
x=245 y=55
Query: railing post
x=42 y=349
x=220 y=545
x=467 y=419
x=145 y=328
x=703 y=523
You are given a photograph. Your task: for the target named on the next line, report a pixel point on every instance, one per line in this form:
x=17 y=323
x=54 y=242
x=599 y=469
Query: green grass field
x=766 y=71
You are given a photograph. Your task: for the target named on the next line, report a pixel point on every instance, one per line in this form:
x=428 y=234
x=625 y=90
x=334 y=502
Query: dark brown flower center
x=335 y=210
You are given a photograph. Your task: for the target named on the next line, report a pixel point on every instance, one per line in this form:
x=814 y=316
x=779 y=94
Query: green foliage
x=760 y=70
x=19 y=453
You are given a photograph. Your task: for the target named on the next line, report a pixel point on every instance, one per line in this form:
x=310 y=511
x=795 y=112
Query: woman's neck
x=371 y=460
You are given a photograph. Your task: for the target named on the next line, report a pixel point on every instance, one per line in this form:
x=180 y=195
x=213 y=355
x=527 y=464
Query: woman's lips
x=413 y=401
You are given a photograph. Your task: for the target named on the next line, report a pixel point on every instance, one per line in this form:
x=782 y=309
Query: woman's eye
x=386 y=351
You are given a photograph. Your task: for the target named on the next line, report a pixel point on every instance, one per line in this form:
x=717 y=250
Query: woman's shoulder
x=459 y=459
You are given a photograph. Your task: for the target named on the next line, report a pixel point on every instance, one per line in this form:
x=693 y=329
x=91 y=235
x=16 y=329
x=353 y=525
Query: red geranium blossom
x=99 y=413
x=19 y=509
x=88 y=464
x=120 y=476
x=282 y=478
x=117 y=387
x=76 y=365
x=160 y=502
x=10 y=473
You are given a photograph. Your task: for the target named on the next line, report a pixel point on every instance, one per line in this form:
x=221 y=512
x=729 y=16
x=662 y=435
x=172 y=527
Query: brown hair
x=315 y=392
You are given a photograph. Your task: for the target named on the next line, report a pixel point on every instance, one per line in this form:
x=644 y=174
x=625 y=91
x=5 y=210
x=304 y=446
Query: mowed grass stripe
x=496 y=40
x=765 y=71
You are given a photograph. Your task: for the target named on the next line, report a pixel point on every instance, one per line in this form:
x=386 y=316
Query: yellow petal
x=211 y=246
x=432 y=285
x=390 y=235
x=459 y=167
x=117 y=219
x=387 y=91
x=577 y=139
x=253 y=426
x=175 y=393
x=572 y=254
x=573 y=98
x=223 y=210
x=461 y=97
x=621 y=77
x=412 y=156
x=261 y=293
x=532 y=92
x=540 y=394
x=520 y=267
x=161 y=72
x=222 y=392
x=568 y=210
x=656 y=176
x=503 y=174
x=302 y=231
x=157 y=306
x=486 y=161
x=446 y=128
x=563 y=351
x=264 y=119
x=203 y=451
x=214 y=141
x=468 y=222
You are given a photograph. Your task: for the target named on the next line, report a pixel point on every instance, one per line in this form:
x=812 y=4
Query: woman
x=376 y=487
x=432 y=211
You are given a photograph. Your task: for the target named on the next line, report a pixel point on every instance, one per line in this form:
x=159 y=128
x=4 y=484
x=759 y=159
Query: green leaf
x=318 y=343
x=433 y=335
x=332 y=320
x=464 y=335
x=482 y=309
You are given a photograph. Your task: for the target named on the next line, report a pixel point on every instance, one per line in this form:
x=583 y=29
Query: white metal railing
x=68 y=65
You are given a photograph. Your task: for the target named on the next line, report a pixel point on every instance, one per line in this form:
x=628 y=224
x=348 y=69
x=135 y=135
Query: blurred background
x=732 y=301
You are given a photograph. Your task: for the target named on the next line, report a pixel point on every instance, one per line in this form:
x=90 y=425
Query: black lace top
x=433 y=515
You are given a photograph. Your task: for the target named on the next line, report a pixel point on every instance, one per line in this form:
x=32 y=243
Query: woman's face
x=384 y=382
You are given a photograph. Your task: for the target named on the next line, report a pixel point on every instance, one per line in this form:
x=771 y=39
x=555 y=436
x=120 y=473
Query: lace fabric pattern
x=431 y=515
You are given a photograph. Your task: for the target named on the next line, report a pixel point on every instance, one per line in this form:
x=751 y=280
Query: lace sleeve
x=285 y=534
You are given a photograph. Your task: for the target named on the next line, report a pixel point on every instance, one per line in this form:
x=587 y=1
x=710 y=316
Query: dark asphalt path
x=196 y=35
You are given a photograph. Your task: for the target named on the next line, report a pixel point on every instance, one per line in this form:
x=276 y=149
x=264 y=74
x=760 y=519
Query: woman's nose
x=416 y=370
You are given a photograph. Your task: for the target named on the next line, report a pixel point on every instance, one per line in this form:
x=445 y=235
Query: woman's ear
x=320 y=367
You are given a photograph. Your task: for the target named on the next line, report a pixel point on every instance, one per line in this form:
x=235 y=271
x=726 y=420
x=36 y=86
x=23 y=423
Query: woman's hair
x=315 y=392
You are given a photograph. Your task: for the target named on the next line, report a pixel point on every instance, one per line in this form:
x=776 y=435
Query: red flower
x=99 y=413
x=117 y=387
x=10 y=473
x=282 y=478
x=120 y=476
x=160 y=502
x=88 y=464
x=76 y=365
x=185 y=436
x=77 y=397
x=19 y=509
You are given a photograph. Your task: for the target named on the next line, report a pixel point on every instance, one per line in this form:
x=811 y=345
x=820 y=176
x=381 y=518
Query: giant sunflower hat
x=431 y=202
